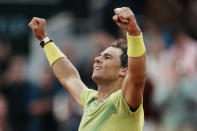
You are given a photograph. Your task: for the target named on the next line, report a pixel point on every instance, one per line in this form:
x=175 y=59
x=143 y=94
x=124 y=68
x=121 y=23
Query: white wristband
x=46 y=39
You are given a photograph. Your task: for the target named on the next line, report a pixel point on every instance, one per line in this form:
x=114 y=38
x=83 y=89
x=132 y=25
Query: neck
x=105 y=89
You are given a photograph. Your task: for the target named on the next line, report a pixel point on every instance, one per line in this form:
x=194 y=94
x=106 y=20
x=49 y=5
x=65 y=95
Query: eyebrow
x=106 y=54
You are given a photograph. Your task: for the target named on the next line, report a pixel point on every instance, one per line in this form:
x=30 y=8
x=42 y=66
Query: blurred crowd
x=170 y=95
x=29 y=106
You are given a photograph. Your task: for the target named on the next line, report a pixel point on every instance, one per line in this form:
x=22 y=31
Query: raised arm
x=133 y=85
x=65 y=72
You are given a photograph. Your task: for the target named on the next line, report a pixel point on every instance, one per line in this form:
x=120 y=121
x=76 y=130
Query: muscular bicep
x=133 y=84
x=68 y=76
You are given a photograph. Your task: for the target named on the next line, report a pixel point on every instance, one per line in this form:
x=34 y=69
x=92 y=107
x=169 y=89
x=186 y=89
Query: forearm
x=136 y=56
x=64 y=70
x=137 y=70
x=62 y=67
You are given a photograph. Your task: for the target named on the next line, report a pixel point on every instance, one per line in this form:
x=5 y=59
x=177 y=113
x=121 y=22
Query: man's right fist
x=38 y=27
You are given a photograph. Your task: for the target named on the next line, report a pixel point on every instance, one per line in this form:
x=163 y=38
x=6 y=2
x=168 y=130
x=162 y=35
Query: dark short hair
x=122 y=45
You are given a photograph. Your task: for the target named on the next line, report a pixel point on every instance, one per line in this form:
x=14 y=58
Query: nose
x=97 y=59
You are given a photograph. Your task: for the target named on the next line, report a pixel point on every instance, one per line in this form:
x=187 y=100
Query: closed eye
x=108 y=56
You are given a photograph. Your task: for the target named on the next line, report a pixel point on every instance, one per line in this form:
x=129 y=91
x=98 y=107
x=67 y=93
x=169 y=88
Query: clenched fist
x=38 y=27
x=125 y=19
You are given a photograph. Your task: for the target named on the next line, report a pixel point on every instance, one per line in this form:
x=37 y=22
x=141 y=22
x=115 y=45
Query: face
x=107 y=65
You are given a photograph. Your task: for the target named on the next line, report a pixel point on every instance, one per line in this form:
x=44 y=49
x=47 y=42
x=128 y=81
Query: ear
x=123 y=72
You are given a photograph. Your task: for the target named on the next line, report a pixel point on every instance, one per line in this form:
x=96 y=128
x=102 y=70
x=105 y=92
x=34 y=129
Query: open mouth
x=97 y=67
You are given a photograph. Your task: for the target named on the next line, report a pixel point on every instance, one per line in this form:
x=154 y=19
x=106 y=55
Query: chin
x=96 y=77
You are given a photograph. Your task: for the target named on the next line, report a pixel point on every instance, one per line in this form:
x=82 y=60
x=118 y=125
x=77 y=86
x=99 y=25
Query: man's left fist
x=125 y=19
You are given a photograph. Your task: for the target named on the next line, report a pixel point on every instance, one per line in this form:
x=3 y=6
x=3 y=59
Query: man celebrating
x=119 y=73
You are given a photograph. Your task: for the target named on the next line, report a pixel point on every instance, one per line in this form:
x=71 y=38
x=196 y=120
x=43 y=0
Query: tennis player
x=118 y=72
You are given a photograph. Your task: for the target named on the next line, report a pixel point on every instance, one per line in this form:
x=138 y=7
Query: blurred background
x=31 y=99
